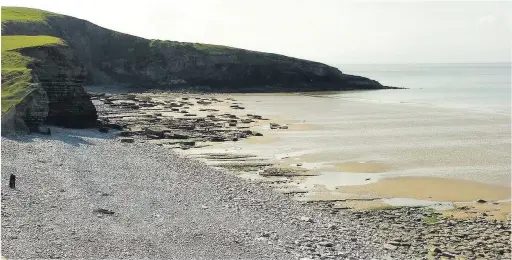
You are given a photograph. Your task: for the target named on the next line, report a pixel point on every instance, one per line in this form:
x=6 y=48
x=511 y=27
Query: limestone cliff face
x=61 y=76
x=115 y=58
x=27 y=115
x=57 y=98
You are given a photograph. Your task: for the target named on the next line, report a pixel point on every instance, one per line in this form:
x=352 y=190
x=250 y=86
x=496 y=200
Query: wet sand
x=430 y=188
x=376 y=149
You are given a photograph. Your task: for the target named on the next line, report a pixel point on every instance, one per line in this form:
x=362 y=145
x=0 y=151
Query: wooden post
x=12 y=181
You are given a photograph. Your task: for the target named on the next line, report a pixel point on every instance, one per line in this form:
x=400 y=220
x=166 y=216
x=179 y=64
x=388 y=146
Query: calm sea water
x=480 y=87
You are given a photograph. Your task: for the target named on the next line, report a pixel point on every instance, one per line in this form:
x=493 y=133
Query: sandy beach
x=334 y=184
x=349 y=144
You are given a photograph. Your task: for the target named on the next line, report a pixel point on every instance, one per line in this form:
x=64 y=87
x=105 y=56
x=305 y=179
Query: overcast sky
x=330 y=31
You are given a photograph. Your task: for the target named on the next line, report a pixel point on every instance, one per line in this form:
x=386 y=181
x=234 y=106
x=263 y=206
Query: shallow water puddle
x=331 y=180
x=408 y=202
x=362 y=167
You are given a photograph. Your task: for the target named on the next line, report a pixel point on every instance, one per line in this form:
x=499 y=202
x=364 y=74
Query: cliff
x=58 y=72
x=115 y=58
x=48 y=57
x=42 y=83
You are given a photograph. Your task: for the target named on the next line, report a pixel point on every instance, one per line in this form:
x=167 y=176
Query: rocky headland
x=88 y=54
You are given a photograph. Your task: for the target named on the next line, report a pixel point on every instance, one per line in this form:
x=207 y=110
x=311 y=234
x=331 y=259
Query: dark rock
x=12 y=181
x=217 y=139
x=125 y=133
x=114 y=126
x=481 y=201
x=179 y=136
x=326 y=244
x=104 y=211
x=127 y=140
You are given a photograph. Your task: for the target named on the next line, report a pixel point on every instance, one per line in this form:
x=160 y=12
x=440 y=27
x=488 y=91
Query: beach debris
x=104 y=211
x=307 y=219
x=389 y=247
x=481 y=201
x=326 y=244
x=12 y=181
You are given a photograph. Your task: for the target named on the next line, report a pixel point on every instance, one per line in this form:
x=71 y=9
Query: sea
x=472 y=86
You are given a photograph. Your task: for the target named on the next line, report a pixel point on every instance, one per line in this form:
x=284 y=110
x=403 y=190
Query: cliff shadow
x=73 y=137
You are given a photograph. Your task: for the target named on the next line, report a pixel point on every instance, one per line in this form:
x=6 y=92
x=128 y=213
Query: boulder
x=154 y=131
x=127 y=140
x=114 y=126
x=125 y=133
x=217 y=139
x=179 y=136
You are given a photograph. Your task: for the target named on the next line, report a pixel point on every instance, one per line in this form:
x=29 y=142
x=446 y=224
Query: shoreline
x=278 y=172
x=401 y=237
x=277 y=226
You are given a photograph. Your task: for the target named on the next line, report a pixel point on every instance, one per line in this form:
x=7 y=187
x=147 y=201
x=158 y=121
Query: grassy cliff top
x=23 y=14
x=16 y=77
x=22 y=41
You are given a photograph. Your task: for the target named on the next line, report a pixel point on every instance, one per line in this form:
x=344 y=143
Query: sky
x=329 y=31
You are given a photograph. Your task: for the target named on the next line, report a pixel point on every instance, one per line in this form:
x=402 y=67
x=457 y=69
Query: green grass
x=23 y=14
x=209 y=48
x=384 y=207
x=22 y=41
x=432 y=219
x=16 y=77
x=12 y=60
x=16 y=84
